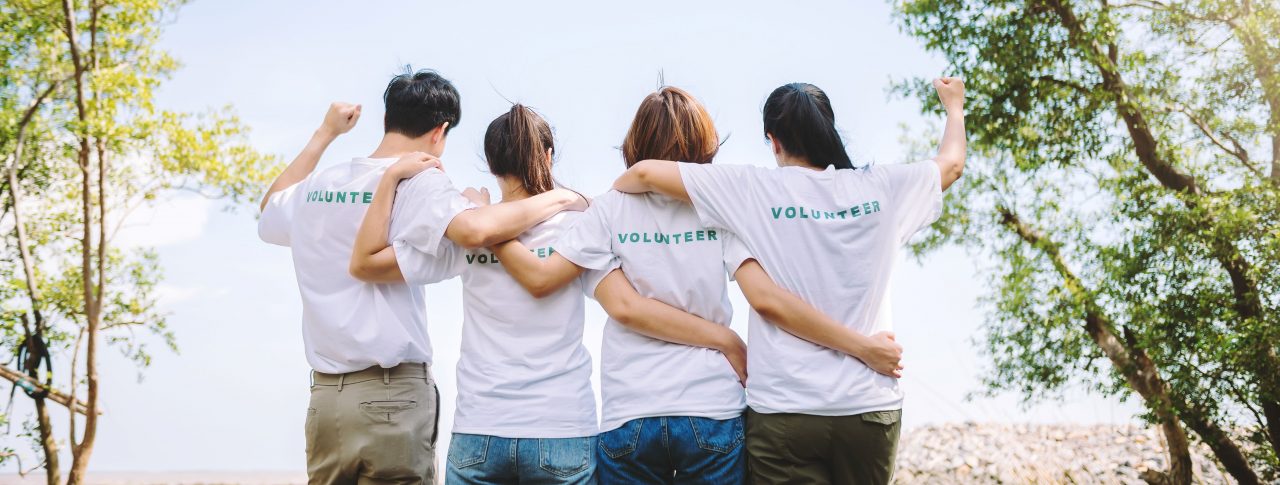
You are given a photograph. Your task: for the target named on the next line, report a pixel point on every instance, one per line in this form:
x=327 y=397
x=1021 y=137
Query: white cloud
x=172 y=221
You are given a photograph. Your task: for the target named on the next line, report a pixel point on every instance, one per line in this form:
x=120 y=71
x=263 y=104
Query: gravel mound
x=1026 y=453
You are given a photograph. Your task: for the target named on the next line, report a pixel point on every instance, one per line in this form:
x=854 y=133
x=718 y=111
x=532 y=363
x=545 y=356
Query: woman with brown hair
x=671 y=378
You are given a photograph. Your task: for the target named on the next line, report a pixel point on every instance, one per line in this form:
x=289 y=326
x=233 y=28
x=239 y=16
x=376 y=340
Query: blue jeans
x=674 y=449
x=479 y=459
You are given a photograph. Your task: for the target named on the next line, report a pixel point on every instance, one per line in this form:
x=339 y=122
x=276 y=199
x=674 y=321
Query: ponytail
x=799 y=116
x=516 y=145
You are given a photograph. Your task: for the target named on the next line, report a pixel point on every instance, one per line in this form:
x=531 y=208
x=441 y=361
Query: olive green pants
x=809 y=449
x=373 y=426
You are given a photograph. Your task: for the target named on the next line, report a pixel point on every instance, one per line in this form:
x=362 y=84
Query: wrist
x=324 y=134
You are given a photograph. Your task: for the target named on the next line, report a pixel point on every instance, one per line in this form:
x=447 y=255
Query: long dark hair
x=671 y=125
x=799 y=116
x=516 y=145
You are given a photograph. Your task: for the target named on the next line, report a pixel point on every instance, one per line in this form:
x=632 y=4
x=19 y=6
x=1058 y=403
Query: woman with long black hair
x=831 y=234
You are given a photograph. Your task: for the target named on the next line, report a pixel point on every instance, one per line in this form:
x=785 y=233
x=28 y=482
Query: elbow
x=539 y=289
x=473 y=233
x=957 y=167
x=361 y=270
x=623 y=311
x=769 y=307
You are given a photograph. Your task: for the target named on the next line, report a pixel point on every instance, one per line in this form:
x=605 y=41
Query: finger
x=890 y=335
x=484 y=191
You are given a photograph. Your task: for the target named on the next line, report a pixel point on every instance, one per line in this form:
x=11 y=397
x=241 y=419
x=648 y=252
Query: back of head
x=671 y=125
x=800 y=118
x=519 y=144
x=418 y=102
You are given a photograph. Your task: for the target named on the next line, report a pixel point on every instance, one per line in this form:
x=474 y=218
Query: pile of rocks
x=1024 y=453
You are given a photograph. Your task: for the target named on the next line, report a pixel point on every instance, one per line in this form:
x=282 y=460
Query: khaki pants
x=809 y=449
x=374 y=426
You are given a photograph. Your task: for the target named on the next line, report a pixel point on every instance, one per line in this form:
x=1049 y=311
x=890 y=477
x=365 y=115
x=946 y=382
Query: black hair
x=799 y=116
x=516 y=145
x=418 y=102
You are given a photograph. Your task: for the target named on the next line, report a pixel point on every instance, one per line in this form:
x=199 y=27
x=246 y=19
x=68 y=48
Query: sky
x=235 y=396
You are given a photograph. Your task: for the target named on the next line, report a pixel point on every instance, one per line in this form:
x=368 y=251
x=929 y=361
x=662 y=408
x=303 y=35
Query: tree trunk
x=49 y=445
x=1126 y=357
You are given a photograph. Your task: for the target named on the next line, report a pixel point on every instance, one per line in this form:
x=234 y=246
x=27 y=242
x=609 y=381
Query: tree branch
x=26 y=382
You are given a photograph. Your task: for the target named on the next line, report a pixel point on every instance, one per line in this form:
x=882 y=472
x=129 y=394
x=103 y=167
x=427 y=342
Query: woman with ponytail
x=671 y=376
x=525 y=412
x=831 y=235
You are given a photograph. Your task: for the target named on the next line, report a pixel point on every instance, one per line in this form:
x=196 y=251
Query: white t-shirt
x=831 y=237
x=668 y=255
x=349 y=325
x=523 y=371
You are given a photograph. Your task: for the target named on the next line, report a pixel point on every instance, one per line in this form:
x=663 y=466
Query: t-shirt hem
x=524 y=433
x=762 y=409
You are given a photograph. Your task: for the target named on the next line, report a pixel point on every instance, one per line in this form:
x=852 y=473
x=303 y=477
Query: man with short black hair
x=374 y=406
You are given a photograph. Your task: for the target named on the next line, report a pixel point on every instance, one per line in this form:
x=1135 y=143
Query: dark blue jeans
x=479 y=459
x=673 y=449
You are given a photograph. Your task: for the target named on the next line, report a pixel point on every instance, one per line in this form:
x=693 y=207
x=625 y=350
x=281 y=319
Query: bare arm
x=540 y=277
x=492 y=224
x=951 y=151
x=661 y=176
x=661 y=321
x=782 y=308
x=372 y=258
x=339 y=119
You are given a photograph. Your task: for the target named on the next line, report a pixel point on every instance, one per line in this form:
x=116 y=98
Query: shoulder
x=427 y=179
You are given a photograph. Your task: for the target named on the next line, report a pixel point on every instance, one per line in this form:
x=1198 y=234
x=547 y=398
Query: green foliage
x=1078 y=112
x=139 y=154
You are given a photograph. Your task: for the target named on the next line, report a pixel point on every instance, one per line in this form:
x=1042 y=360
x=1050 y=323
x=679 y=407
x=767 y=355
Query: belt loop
x=341 y=377
x=386 y=376
x=312 y=376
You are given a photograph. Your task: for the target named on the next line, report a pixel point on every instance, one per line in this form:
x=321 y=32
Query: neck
x=788 y=160
x=512 y=189
x=395 y=145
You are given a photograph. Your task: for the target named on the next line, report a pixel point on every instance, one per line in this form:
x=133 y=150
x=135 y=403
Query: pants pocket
x=565 y=457
x=887 y=418
x=309 y=429
x=622 y=441
x=468 y=450
x=386 y=411
x=720 y=436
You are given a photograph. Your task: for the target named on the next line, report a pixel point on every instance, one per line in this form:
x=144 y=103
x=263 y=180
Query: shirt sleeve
x=720 y=193
x=588 y=242
x=916 y=192
x=591 y=278
x=420 y=268
x=735 y=253
x=276 y=224
x=424 y=206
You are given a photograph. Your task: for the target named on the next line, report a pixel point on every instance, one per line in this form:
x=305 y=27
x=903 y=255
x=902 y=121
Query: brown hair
x=671 y=125
x=516 y=145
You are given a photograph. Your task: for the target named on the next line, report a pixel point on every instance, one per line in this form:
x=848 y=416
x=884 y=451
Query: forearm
x=302 y=165
x=661 y=176
x=540 y=277
x=792 y=314
x=952 y=149
x=374 y=229
x=656 y=319
x=798 y=318
x=488 y=225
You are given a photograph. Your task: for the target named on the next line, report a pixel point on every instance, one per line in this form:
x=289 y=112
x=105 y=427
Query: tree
x=84 y=145
x=1126 y=185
